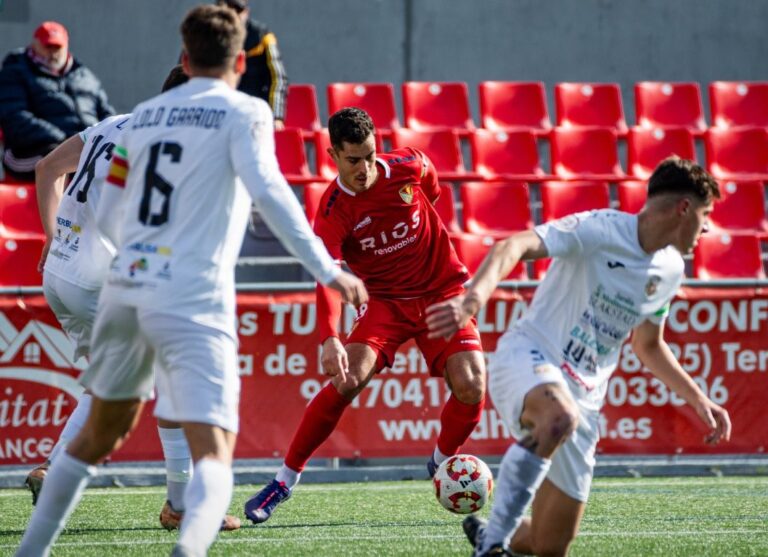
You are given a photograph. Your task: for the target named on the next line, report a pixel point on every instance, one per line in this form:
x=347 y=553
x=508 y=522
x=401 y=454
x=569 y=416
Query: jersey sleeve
x=428 y=180
x=328 y=301
x=252 y=149
x=575 y=234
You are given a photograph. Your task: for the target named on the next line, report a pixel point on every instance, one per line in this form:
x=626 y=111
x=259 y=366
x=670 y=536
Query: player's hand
x=716 y=418
x=44 y=255
x=352 y=288
x=279 y=125
x=445 y=319
x=334 y=359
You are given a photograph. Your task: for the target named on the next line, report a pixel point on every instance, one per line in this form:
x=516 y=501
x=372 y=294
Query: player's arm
x=50 y=175
x=446 y=318
x=253 y=157
x=649 y=345
x=429 y=182
x=109 y=213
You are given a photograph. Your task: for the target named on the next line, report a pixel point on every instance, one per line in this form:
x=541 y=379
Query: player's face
x=694 y=221
x=356 y=163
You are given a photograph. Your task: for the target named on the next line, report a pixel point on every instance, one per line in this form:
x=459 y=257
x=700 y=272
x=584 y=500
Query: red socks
x=457 y=421
x=317 y=424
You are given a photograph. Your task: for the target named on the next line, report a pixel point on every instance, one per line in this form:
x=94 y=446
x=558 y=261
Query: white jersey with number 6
x=185 y=210
x=79 y=253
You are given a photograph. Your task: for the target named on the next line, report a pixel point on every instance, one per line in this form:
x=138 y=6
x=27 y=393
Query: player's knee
x=556 y=428
x=350 y=387
x=469 y=391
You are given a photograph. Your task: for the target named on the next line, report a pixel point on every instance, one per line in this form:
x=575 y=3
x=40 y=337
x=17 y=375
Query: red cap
x=51 y=33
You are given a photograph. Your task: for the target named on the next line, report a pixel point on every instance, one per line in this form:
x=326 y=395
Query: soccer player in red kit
x=378 y=217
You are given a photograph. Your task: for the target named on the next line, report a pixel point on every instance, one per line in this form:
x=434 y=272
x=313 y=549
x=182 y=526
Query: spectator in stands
x=264 y=73
x=46 y=96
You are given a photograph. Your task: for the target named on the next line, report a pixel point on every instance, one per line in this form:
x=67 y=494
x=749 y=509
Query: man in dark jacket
x=46 y=96
x=264 y=74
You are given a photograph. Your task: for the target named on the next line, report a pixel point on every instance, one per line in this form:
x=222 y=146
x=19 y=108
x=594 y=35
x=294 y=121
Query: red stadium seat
x=312 y=194
x=377 y=99
x=429 y=105
x=632 y=195
x=506 y=155
x=660 y=104
x=19 y=216
x=301 y=109
x=18 y=261
x=324 y=164
x=737 y=153
x=741 y=207
x=649 y=146
x=590 y=104
x=289 y=147
x=585 y=153
x=559 y=199
x=721 y=255
x=440 y=145
x=739 y=103
x=446 y=208
x=495 y=209
x=514 y=104
x=472 y=249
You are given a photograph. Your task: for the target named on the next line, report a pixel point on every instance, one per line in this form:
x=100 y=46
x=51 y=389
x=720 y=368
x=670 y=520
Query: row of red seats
x=509 y=105
x=732 y=249
x=576 y=153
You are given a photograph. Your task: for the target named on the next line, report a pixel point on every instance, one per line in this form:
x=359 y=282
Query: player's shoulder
x=117 y=123
x=404 y=162
x=247 y=105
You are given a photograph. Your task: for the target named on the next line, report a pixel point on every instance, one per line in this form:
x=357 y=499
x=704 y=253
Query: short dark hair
x=175 y=78
x=212 y=36
x=238 y=5
x=351 y=125
x=683 y=177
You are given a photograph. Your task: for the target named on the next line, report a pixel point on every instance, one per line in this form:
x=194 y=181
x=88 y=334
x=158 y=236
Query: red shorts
x=386 y=324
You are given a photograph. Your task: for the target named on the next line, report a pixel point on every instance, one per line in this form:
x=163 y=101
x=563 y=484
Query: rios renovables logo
x=38 y=388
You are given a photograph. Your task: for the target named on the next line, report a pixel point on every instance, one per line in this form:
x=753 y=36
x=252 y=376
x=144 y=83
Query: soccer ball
x=463 y=483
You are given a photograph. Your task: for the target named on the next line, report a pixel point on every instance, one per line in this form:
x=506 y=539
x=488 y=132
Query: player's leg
x=377 y=333
x=465 y=375
x=199 y=368
x=318 y=422
x=554 y=523
x=75 y=310
x=531 y=396
x=120 y=376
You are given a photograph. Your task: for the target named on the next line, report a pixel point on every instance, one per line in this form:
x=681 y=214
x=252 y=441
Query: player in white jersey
x=181 y=178
x=74 y=262
x=612 y=274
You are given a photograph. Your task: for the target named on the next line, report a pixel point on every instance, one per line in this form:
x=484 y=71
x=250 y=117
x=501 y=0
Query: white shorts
x=517 y=366
x=75 y=309
x=197 y=365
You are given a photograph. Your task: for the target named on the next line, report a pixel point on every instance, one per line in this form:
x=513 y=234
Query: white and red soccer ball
x=463 y=483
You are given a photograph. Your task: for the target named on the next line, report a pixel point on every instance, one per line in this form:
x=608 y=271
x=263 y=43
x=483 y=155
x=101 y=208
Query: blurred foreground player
x=612 y=274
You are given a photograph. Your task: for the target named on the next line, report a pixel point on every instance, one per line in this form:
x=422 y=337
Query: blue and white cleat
x=260 y=507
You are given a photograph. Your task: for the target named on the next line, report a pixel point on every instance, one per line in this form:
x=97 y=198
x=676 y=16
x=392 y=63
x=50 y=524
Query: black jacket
x=39 y=110
x=264 y=75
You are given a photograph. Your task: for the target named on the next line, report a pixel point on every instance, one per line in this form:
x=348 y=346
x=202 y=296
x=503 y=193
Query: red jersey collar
x=345 y=189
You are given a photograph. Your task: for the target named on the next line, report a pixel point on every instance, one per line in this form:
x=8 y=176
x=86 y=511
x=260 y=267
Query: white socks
x=520 y=475
x=64 y=485
x=438 y=456
x=178 y=465
x=287 y=476
x=74 y=424
x=207 y=499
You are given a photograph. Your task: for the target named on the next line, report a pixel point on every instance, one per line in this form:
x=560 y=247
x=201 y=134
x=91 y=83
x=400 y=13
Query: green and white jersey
x=79 y=253
x=190 y=162
x=601 y=285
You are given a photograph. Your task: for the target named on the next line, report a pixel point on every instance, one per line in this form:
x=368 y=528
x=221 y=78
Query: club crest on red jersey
x=406 y=193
